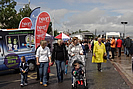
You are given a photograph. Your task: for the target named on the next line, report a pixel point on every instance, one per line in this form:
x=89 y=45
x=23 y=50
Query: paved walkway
x=123 y=65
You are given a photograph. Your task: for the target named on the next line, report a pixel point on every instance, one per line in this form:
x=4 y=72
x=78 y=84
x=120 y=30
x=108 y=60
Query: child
x=89 y=44
x=66 y=66
x=78 y=73
x=24 y=67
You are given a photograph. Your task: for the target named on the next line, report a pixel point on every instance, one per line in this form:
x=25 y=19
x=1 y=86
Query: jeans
x=112 y=50
x=66 y=66
x=119 y=51
x=107 y=54
x=127 y=50
x=24 y=78
x=43 y=72
x=60 y=67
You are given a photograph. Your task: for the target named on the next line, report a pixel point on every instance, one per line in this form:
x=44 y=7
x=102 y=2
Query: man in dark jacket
x=119 y=45
x=128 y=44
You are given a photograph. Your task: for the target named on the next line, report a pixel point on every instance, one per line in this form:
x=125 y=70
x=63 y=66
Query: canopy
x=49 y=37
x=63 y=37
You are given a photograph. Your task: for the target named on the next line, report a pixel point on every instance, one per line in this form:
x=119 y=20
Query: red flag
x=25 y=23
x=42 y=24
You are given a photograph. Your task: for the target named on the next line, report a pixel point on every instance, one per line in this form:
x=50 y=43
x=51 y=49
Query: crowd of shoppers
x=64 y=51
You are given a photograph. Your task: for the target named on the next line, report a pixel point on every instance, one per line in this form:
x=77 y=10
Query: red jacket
x=119 y=43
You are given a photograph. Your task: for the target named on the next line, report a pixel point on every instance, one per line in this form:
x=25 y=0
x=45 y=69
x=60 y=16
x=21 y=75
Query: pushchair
x=80 y=59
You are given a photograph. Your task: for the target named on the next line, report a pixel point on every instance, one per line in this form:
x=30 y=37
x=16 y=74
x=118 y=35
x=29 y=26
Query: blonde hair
x=43 y=42
x=74 y=38
x=59 y=41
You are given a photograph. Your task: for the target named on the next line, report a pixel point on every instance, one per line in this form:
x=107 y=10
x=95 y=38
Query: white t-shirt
x=43 y=54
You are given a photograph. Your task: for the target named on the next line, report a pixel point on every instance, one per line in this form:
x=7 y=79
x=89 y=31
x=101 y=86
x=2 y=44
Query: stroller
x=80 y=59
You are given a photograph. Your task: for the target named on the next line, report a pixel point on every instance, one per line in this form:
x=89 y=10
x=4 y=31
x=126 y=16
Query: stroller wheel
x=74 y=86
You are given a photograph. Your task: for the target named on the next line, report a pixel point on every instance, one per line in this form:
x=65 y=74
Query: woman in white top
x=43 y=57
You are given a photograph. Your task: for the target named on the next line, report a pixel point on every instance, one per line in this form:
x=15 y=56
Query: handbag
x=105 y=57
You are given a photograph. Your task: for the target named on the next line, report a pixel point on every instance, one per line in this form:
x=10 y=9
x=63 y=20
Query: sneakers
x=41 y=83
x=81 y=82
x=25 y=84
x=45 y=85
x=21 y=85
x=78 y=82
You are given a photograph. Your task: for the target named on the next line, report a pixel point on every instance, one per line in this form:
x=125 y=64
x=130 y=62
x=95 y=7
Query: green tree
x=25 y=12
x=8 y=16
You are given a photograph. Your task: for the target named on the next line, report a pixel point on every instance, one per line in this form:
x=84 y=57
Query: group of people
x=64 y=51
x=101 y=48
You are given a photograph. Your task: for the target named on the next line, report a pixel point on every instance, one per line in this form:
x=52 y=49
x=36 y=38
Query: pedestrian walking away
x=128 y=44
x=113 y=45
x=99 y=52
x=119 y=45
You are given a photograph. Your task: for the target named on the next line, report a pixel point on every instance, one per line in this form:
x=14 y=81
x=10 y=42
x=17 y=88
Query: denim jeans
x=66 y=66
x=24 y=78
x=43 y=72
x=107 y=54
x=60 y=67
x=127 y=50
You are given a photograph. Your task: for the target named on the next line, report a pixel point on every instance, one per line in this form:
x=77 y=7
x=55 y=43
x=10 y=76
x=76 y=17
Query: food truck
x=15 y=43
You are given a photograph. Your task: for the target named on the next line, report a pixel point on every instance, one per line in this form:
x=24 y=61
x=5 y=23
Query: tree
x=25 y=12
x=8 y=16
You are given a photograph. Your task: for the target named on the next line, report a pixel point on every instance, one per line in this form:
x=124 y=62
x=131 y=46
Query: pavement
x=123 y=65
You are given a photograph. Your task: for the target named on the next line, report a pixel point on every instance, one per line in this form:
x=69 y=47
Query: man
x=99 y=52
x=119 y=45
x=128 y=44
x=113 y=44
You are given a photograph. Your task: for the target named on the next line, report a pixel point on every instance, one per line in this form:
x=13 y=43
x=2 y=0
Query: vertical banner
x=42 y=24
x=33 y=16
x=25 y=23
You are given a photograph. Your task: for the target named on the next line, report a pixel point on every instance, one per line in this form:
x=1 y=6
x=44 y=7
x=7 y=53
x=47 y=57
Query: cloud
x=106 y=17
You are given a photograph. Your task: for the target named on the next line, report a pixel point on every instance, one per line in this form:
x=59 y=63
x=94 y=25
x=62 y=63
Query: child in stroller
x=78 y=72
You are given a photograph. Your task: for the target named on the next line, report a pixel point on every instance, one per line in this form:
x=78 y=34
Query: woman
x=43 y=58
x=74 y=49
x=59 y=54
x=107 y=46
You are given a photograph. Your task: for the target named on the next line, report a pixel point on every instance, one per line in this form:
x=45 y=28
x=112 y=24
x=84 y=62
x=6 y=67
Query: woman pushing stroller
x=74 y=52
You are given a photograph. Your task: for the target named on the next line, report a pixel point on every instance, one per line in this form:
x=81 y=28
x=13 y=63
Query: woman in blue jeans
x=43 y=58
x=59 y=55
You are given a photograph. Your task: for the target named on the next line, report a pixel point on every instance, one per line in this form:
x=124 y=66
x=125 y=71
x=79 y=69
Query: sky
x=102 y=15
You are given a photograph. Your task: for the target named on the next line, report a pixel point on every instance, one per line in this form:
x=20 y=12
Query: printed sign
x=41 y=28
x=25 y=23
x=12 y=61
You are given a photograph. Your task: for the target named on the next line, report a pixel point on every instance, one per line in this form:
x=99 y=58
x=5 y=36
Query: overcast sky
x=103 y=15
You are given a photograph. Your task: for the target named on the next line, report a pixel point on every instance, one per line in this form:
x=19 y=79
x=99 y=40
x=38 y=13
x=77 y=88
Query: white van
x=112 y=34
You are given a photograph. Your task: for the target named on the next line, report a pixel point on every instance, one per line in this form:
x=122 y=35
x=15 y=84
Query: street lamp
x=124 y=27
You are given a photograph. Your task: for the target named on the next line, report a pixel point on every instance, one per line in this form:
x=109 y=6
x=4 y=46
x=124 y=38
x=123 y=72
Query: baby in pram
x=77 y=72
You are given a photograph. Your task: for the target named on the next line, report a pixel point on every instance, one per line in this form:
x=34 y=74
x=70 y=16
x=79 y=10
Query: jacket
x=119 y=43
x=128 y=42
x=56 y=49
x=99 y=51
x=113 y=44
x=24 y=67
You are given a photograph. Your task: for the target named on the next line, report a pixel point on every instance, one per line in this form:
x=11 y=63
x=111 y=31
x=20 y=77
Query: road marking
x=31 y=76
